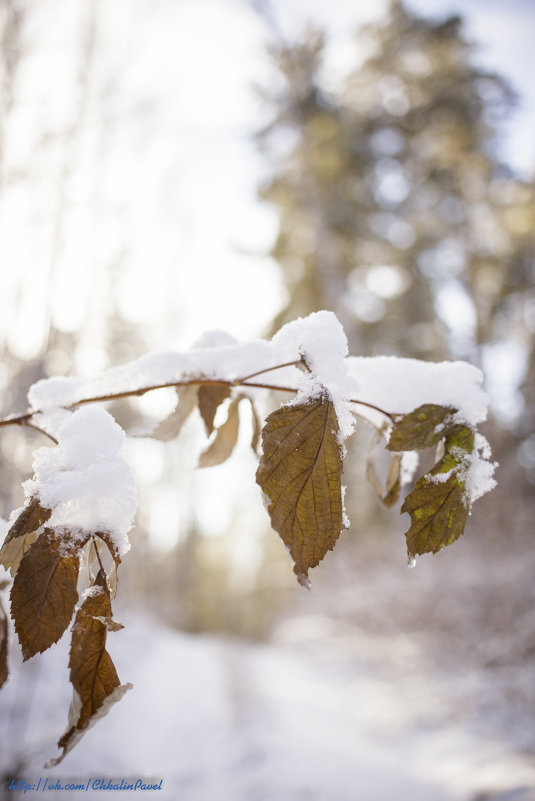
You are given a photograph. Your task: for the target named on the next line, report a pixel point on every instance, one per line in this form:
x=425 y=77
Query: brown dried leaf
x=43 y=595
x=22 y=534
x=31 y=518
x=13 y=551
x=107 y=539
x=225 y=439
x=73 y=735
x=93 y=674
x=300 y=472
x=4 y=671
x=96 y=685
x=171 y=427
x=211 y=396
x=113 y=580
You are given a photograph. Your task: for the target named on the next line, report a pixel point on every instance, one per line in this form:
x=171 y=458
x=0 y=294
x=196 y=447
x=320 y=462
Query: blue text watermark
x=44 y=785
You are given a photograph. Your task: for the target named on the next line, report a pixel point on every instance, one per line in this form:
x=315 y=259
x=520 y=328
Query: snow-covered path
x=219 y=720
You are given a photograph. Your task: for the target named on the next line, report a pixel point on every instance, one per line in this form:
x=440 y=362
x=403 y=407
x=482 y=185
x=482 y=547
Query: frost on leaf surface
x=300 y=472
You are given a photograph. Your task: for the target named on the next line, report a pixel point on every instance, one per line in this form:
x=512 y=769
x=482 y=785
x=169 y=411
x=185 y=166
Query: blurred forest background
x=382 y=195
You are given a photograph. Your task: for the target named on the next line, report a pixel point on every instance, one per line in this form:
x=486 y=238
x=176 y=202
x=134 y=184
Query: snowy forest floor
x=220 y=719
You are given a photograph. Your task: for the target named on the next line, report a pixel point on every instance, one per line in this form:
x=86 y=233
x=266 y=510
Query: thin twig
x=391 y=416
x=25 y=419
x=38 y=428
x=16 y=419
x=239 y=381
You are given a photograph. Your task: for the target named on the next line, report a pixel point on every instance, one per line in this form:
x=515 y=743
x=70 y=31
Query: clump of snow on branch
x=401 y=385
x=85 y=480
x=321 y=342
x=314 y=349
x=396 y=385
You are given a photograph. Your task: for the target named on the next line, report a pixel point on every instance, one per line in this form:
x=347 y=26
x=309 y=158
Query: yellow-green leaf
x=437 y=505
x=43 y=595
x=300 y=473
x=422 y=428
x=438 y=513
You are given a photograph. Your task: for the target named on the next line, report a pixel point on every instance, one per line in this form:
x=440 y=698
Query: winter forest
x=268 y=400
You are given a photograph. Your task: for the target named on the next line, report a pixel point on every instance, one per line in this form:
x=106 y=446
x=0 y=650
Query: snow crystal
x=477 y=471
x=320 y=340
x=85 y=479
x=474 y=470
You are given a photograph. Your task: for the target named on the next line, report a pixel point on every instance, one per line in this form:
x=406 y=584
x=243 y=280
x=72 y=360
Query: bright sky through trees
x=174 y=86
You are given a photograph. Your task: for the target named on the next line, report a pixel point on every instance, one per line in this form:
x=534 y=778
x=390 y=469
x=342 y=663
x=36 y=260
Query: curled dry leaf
x=300 y=473
x=96 y=685
x=225 y=440
x=44 y=594
x=211 y=396
x=108 y=540
x=257 y=427
x=23 y=534
x=171 y=427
